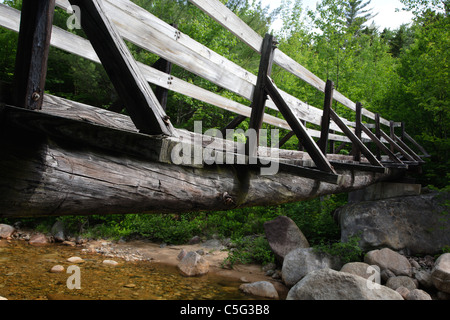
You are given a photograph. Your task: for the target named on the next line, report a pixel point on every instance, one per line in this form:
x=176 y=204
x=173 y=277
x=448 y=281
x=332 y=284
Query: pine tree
x=357 y=14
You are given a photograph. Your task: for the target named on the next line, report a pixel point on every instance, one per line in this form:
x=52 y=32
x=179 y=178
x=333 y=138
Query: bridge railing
x=143 y=29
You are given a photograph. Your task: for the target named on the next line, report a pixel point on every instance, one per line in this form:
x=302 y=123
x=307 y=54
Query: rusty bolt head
x=35 y=96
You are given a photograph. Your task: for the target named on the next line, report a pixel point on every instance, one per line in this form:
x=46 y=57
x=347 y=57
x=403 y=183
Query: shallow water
x=25 y=275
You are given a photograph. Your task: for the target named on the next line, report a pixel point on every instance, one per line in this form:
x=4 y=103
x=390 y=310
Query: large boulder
x=441 y=273
x=193 y=265
x=390 y=260
x=299 y=262
x=284 y=236
x=414 y=225
x=328 y=284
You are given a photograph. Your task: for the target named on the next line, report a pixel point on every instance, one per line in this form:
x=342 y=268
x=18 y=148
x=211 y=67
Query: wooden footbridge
x=61 y=157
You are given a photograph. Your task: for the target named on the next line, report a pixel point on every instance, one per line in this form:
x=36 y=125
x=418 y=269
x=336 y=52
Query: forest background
x=403 y=74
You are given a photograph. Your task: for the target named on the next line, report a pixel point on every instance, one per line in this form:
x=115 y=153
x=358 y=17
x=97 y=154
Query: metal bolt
x=166 y=120
x=35 y=96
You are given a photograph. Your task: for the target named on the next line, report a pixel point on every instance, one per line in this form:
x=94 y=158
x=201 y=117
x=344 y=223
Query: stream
x=25 y=275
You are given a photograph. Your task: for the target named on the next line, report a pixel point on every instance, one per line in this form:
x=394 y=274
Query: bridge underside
x=54 y=165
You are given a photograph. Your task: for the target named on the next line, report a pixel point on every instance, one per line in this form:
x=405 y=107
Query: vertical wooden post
x=260 y=94
x=358 y=132
x=32 y=53
x=325 y=125
x=392 y=134
x=378 y=133
x=165 y=66
x=161 y=93
x=301 y=147
x=403 y=134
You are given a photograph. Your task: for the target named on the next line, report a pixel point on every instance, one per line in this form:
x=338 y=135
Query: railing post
x=392 y=134
x=325 y=124
x=260 y=94
x=358 y=132
x=378 y=133
x=32 y=53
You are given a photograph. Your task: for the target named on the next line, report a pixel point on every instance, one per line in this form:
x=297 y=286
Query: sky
x=386 y=18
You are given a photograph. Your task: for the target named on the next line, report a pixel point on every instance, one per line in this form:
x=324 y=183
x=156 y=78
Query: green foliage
x=315 y=217
x=349 y=251
x=253 y=249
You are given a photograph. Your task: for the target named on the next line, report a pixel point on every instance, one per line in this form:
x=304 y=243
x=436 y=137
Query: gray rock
x=388 y=259
x=261 y=289
x=213 y=244
x=38 y=239
x=6 y=231
x=284 y=236
x=413 y=225
x=424 y=278
x=193 y=264
x=110 y=263
x=327 y=284
x=57 y=231
x=299 y=262
x=441 y=273
x=182 y=254
x=418 y=294
x=195 y=240
x=360 y=269
x=57 y=269
x=403 y=292
x=386 y=274
x=443 y=295
x=401 y=281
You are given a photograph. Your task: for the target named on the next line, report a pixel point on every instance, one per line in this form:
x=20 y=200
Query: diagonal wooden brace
x=296 y=125
x=140 y=101
x=355 y=140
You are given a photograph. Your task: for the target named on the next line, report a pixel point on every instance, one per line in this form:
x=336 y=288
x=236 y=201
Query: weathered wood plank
x=134 y=90
x=218 y=11
x=32 y=53
x=77 y=45
x=154 y=35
